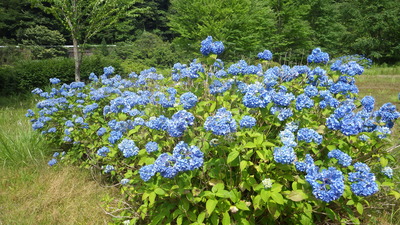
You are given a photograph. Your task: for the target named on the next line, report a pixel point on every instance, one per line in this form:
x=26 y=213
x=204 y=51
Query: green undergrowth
x=31 y=192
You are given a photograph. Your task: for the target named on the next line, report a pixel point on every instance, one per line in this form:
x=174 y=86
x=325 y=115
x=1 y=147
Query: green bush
x=249 y=145
x=26 y=75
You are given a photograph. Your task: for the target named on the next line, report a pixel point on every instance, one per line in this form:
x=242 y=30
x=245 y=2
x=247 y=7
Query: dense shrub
x=236 y=144
x=26 y=75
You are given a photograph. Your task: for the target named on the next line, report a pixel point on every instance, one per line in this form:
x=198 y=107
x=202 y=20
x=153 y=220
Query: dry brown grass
x=64 y=195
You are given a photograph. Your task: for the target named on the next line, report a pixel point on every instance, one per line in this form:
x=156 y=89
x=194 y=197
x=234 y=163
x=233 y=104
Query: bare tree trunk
x=77 y=59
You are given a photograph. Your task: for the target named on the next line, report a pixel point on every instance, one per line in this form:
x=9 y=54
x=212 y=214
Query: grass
x=31 y=192
x=19 y=144
x=383 y=83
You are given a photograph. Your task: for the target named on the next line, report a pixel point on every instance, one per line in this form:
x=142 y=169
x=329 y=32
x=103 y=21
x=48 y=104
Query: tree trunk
x=77 y=59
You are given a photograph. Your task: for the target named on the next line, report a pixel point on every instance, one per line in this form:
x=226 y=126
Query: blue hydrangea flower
x=52 y=162
x=56 y=154
x=108 y=70
x=327 y=185
x=37 y=125
x=108 y=168
x=103 y=151
x=247 y=122
x=101 y=131
x=128 y=148
x=124 y=181
x=363 y=183
x=363 y=137
x=343 y=158
x=387 y=171
x=187 y=158
x=90 y=108
x=265 y=55
x=30 y=113
x=114 y=136
x=147 y=172
x=303 y=101
x=317 y=56
x=208 y=46
x=151 y=146
x=361 y=167
x=288 y=138
x=188 y=100
x=309 y=135
x=351 y=68
x=368 y=103
x=52 y=130
x=307 y=165
x=284 y=155
x=311 y=91
x=165 y=165
x=54 y=80
x=158 y=123
x=221 y=124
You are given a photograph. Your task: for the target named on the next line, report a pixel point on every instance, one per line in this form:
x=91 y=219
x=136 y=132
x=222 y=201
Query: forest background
x=159 y=33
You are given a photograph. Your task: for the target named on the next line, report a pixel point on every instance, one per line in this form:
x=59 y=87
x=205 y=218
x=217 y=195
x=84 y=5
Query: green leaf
x=242 y=205
x=152 y=198
x=297 y=195
x=218 y=187
x=250 y=145
x=360 y=208
x=226 y=219
x=268 y=144
x=232 y=156
x=243 y=165
x=179 y=220
x=277 y=197
x=383 y=161
x=159 y=191
x=201 y=217
x=350 y=202
x=331 y=214
x=265 y=195
x=210 y=205
x=212 y=107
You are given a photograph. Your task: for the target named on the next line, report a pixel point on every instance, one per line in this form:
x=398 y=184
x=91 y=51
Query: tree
x=43 y=42
x=244 y=26
x=84 y=18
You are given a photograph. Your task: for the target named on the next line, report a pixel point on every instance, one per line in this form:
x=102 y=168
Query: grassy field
x=31 y=192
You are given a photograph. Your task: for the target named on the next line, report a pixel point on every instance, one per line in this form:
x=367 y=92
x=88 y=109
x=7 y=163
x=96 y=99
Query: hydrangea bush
x=227 y=144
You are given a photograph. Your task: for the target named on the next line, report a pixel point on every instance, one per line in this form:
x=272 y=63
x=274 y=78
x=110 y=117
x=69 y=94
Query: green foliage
x=43 y=42
x=244 y=26
x=149 y=50
x=26 y=75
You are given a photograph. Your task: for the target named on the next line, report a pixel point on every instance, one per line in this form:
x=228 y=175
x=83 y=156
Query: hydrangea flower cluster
x=363 y=180
x=103 y=151
x=151 y=146
x=221 y=123
x=309 y=135
x=247 y=122
x=188 y=100
x=128 y=148
x=284 y=155
x=208 y=46
x=327 y=185
x=318 y=56
x=265 y=55
x=343 y=158
x=183 y=158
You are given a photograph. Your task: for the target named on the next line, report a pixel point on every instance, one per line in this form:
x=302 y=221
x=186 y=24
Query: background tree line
x=289 y=28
